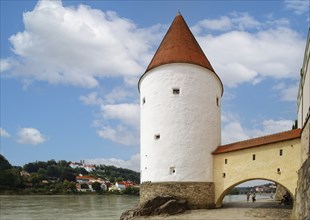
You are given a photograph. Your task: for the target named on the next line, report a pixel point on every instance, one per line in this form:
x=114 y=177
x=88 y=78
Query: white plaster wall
x=304 y=89
x=188 y=124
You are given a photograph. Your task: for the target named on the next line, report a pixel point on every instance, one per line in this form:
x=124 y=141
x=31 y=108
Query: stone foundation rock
x=160 y=205
x=199 y=195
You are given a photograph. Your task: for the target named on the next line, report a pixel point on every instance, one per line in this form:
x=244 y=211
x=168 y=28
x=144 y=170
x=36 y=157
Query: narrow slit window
x=176 y=91
x=217 y=102
x=225 y=161
x=157 y=137
x=143 y=100
x=281 y=152
x=253 y=157
x=224 y=175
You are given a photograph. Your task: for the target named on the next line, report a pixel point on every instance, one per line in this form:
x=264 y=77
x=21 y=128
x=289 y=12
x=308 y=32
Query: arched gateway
x=274 y=157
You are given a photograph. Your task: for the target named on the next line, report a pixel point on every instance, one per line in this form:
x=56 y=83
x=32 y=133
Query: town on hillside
x=61 y=177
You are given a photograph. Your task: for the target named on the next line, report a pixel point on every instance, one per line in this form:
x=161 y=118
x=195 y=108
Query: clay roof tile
x=255 y=142
x=179 y=46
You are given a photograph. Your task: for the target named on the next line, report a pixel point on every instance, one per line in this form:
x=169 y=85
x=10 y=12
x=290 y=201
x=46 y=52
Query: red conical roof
x=179 y=46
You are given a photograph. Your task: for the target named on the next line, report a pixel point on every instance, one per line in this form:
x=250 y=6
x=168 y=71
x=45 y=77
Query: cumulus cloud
x=6 y=64
x=298 y=6
x=77 y=46
x=118 y=117
x=116 y=95
x=287 y=92
x=233 y=128
x=30 y=136
x=133 y=163
x=234 y=20
x=245 y=50
x=121 y=134
x=126 y=112
x=126 y=118
x=4 y=133
x=239 y=56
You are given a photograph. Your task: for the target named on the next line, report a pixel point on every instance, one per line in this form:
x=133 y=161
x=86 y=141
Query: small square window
x=175 y=91
x=281 y=152
x=157 y=136
x=172 y=170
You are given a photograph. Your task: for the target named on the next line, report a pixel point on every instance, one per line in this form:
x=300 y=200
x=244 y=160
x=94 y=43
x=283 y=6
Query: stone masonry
x=302 y=198
x=199 y=195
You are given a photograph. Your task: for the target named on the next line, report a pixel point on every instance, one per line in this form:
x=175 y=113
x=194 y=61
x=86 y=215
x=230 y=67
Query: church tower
x=180 y=97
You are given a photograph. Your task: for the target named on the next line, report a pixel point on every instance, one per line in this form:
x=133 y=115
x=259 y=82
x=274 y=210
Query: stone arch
x=219 y=201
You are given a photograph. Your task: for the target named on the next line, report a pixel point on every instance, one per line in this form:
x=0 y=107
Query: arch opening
x=256 y=193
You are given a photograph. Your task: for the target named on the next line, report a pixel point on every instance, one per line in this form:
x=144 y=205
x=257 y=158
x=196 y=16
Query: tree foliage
x=58 y=177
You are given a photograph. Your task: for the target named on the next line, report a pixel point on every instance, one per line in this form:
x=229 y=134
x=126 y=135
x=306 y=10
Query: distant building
x=89 y=180
x=88 y=168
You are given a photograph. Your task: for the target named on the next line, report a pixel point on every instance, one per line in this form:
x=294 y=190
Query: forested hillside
x=55 y=176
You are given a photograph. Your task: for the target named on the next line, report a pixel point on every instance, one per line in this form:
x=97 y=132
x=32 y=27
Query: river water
x=63 y=207
x=243 y=198
x=77 y=207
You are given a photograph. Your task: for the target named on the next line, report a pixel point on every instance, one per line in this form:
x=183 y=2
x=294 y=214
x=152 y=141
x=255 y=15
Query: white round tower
x=180 y=115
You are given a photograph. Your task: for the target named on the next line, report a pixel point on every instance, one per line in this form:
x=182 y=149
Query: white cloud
x=30 y=136
x=240 y=57
x=4 y=133
x=233 y=128
x=126 y=112
x=298 y=6
x=239 y=21
x=272 y=126
x=76 y=46
x=120 y=123
x=91 y=99
x=6 y=64
x=287 y=92
x=120 y=134
x=233 y=132
x=133 y=163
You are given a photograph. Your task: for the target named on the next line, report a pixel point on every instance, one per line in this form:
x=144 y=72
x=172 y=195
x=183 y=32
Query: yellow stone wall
x=241 y=167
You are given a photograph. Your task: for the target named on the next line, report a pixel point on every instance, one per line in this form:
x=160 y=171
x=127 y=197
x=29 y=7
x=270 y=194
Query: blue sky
x=69 y=71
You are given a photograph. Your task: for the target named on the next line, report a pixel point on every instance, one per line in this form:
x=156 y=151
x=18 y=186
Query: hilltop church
x=181 y=151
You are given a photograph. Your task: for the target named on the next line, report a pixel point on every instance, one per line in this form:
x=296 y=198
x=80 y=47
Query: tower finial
x=179 y=13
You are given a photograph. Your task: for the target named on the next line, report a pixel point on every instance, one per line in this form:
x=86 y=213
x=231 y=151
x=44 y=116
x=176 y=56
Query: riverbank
x=263 y=209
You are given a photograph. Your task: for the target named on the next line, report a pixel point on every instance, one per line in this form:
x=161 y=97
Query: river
x=77 y=207
x=242 y=198
x=64 y=207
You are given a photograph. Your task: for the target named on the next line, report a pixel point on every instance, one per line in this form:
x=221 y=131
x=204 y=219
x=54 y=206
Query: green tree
x=132 y=191
x=4 y=163
x=81 y=170
x=84 y=186
x=63 y=163
x=69 y=186
x=51 y=162
x=96 y=186
x=119 y=179
x=67 y=173
x=31 y=167
x=53 y=171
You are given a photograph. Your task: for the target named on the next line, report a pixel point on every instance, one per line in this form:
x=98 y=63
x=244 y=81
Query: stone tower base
x=199 y=195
